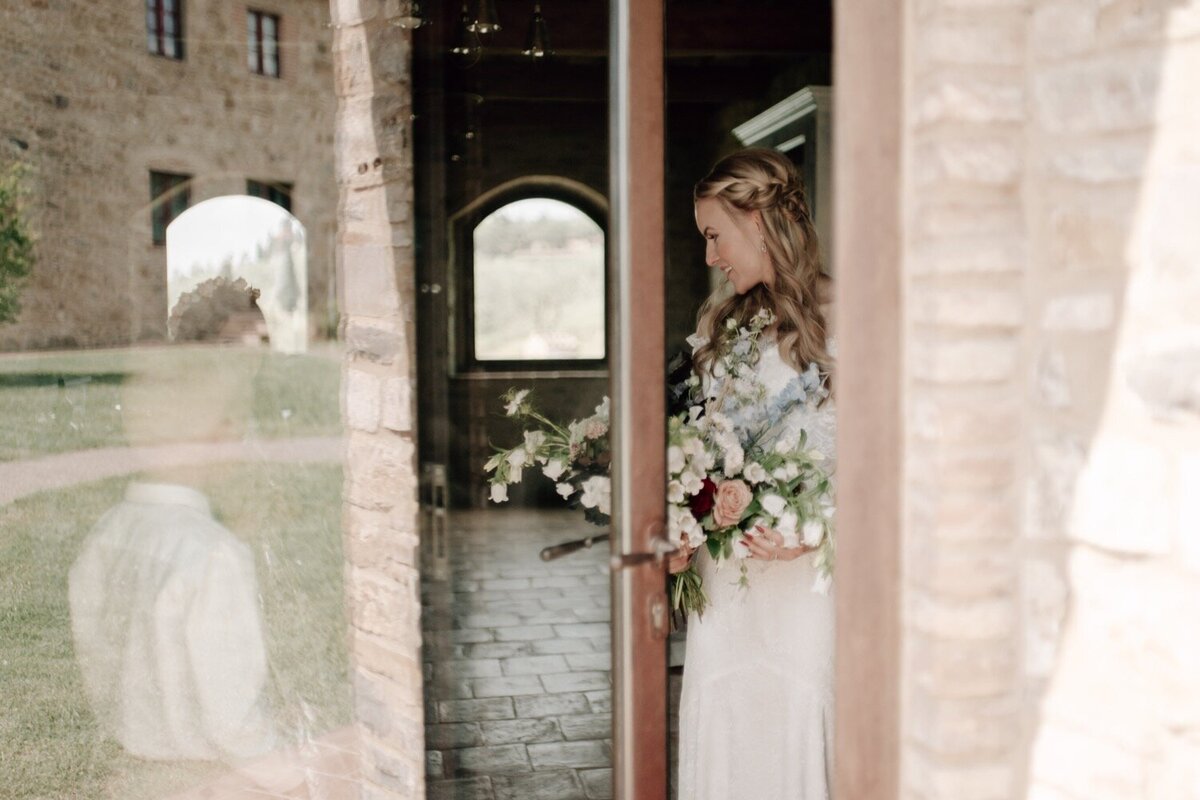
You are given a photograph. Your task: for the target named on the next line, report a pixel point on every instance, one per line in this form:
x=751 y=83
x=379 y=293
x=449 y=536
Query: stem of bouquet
x=687 y=595
x=556 y=428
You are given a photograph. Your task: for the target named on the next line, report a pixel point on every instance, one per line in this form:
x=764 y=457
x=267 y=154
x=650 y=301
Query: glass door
x=640 y=616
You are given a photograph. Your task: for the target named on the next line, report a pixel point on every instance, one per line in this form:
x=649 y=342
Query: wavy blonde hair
x=757 y=179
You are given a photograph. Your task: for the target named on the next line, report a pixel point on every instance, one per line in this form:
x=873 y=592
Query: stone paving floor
x=518 y=684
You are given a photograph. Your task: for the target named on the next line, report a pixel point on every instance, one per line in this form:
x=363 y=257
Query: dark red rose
x=702 y=502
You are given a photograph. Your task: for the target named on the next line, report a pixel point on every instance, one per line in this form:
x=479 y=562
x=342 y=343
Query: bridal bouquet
x=723 y=480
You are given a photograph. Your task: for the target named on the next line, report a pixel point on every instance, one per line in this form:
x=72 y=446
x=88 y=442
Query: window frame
x=462 y=276
x=164 y=202
x=156 y=35
x=256 y=42
x=272 y=191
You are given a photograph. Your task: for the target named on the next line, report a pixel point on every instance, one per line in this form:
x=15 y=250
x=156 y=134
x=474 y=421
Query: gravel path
x=58 y=471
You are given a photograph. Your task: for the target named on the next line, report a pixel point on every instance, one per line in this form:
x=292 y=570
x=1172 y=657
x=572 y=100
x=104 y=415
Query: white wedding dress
x=756 y=715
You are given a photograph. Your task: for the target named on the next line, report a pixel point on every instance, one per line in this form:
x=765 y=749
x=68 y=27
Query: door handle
x=660 y=546
x=566 y=548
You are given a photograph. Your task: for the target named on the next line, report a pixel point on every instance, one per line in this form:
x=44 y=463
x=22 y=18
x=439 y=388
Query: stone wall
x=372 y=61
x=1052 y=582
x=1111 y=574
x=91 y=112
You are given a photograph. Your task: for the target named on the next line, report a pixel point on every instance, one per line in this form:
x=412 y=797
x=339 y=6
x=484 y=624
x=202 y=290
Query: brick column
x=375 y=282
x=964 y=273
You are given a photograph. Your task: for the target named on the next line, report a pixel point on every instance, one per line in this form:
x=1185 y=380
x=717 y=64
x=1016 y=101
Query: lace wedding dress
x=756 y=715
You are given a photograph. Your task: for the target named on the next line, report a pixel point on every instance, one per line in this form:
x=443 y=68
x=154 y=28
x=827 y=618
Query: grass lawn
x=61 y=402
x=50 y=746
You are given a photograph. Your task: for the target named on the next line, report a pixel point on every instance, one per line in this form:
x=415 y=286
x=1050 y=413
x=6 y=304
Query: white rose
x=681 y=525
x=773 y=504
x=564 y=489
x=499 y=493
x=691 y=482
x=675 y=460
x=597 y=493
x=813 y=531
x=554 y=469
x=754 y=472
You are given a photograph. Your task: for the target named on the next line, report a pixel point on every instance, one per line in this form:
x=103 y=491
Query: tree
x=16 y=242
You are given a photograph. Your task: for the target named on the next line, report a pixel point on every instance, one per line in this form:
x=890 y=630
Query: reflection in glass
x=172 y=611
x=259 y=243
x=526 y=254
x=167 y=630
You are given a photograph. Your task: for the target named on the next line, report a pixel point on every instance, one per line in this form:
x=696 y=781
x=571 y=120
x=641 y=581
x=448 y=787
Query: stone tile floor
x=518 y=685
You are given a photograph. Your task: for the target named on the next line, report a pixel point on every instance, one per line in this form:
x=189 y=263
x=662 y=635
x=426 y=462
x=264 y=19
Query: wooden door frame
x=868 y=242
x=868 y=68
x=637 y=165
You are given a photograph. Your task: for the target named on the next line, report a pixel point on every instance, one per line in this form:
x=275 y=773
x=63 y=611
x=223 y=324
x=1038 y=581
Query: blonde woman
x=756 y=714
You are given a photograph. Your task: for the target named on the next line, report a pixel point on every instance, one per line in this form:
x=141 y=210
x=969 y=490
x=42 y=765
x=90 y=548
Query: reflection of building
x=102 y=127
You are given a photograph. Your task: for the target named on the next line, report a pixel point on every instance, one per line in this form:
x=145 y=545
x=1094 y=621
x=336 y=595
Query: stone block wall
x=91 y=112
x=1053 y=346
x=966 y=250
x=375 y=256
x=1111 y=583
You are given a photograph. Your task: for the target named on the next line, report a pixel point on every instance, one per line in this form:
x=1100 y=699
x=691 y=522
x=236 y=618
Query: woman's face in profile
x=733 y=244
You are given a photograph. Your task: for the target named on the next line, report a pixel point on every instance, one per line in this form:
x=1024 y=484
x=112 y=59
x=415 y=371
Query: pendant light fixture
x=537 y=43
x=486 y=21
x=466 y=41
x=411 y=16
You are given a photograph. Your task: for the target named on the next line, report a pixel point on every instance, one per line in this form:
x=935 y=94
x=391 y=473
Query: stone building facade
x=91 y=112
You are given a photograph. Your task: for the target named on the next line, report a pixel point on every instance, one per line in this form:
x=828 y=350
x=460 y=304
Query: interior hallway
x=517 y=662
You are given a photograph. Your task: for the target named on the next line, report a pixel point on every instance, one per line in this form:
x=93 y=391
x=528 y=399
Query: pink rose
x=732 y=499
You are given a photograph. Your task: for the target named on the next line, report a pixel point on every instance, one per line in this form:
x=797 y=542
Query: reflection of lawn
x=49 y=743
x=60 y=402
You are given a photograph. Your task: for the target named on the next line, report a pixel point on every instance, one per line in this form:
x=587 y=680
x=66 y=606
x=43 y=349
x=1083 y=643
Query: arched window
x=535 y=286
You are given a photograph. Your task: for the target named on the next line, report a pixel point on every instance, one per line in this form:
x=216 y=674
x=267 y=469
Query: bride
x=756 y=715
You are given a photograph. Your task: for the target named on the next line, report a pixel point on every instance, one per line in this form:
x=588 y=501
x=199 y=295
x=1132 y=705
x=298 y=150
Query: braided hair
x=758 y=179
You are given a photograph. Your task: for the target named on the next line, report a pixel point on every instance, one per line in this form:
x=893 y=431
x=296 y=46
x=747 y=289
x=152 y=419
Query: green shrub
x=16 y=242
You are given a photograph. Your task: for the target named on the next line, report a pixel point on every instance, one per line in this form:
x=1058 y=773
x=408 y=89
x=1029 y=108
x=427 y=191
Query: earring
x=762 y=243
